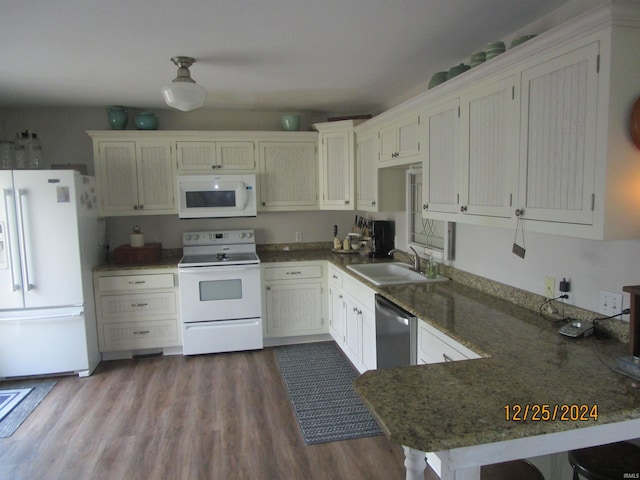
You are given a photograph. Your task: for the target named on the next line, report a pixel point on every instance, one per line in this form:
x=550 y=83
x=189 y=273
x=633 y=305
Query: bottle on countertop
x=337 y=244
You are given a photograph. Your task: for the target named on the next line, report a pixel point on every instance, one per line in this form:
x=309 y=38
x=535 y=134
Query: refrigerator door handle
x=15 y=286
x=22 y=193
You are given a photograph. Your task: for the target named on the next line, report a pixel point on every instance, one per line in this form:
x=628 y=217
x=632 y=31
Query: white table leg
x=414 y=463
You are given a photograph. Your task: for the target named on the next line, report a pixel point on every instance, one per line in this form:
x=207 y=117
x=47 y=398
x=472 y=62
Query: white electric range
x=220 y=292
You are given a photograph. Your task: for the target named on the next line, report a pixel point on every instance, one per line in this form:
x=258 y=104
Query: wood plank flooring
x=224 y=416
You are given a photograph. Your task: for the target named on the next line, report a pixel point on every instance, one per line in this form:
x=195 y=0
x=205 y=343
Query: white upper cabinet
x=135 y=177
x=558 y=137
x=336 y=165
x=288 y=176
x=543 y=133
x=441 y=168
x=489 y=118
x=399 y=141
x=215 y=156
x=378 y=189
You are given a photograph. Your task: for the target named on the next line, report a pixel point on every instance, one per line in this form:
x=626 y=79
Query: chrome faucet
x=414 y=258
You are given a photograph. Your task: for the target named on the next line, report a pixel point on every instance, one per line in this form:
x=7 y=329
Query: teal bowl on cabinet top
x=146 y=121
x=291 y=123
x=517 y=41
x=457 y=70
x=437 y=79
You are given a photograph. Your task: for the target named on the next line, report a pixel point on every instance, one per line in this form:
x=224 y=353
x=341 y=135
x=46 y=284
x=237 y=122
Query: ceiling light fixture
x=184 y=93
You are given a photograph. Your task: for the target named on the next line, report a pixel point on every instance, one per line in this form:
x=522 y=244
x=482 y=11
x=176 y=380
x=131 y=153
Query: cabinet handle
x=141 y=207
x=264 y=204
x=463 y=208
x=141 y=332
x=136 y=305
x=447 y=358
x=340 y=296
x=334 y=276
x=425 y=206
x=373 y=202
x=346 y=202
x=268 y=288
x=137 y=282
x=519 y=212
x=135 y=207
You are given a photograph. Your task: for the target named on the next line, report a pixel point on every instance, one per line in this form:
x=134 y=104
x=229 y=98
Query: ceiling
x=350 y=56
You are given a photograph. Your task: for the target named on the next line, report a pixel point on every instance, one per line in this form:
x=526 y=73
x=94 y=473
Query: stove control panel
x=222 y=237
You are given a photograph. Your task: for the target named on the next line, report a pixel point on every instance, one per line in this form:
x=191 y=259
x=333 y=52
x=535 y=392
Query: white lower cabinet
x=436 y=347
x=137 y=309
x=353 y=325
x=293 y=299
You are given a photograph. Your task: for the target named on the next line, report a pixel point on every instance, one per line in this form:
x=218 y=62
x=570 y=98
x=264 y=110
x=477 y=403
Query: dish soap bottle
x=337 y=244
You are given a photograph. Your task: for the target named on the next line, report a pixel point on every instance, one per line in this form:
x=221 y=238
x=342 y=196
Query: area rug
x=318 y=379
x=18 y=414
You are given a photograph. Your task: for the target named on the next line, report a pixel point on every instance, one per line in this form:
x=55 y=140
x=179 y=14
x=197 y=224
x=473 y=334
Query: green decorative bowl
x=437 y=79
x=146 y=121
x=517 y=41
x=291 y=122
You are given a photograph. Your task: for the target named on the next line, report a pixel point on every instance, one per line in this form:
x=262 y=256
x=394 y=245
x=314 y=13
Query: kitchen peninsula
x=490 y=410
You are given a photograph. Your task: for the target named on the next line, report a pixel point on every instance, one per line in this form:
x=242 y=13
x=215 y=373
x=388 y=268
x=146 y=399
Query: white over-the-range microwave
x=214 y=196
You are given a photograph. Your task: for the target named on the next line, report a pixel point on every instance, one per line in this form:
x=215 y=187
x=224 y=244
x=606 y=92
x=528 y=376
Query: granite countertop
x=525 y=362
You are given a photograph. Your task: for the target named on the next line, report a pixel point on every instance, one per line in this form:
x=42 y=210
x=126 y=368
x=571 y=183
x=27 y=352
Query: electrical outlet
x=568 y=300
x=610 y=303
x=298 y=237
x=549 y=287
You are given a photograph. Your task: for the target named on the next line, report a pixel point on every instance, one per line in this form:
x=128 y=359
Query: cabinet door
x=196 y=156
x=235 y=155
x=117 y=177
x=369 y=356
x=408 y=136
x=293 y=309
x=156 y=179
x=558 y=125
x=352 y=333
x=441 y=165
x=288 y=176
x=367 y=172
x=490 y=149
x=336 y=170
x=337 y=314
x=388 y=143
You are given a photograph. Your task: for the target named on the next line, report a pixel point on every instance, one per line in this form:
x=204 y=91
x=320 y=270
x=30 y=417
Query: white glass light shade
x=185 y=96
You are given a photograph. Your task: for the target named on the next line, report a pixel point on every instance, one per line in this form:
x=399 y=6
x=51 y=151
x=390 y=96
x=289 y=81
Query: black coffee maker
x=381 y=238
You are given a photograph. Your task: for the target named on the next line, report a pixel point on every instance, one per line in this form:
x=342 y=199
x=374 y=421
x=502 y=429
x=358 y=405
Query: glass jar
x=7 y=155
x=34 y=153
x=22 y=139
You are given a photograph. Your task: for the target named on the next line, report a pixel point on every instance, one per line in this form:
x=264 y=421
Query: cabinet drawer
x=436 y=347
x=136 y=282
x=129 y=307
x=335 y=277
x=125 y=336
x=292 y=273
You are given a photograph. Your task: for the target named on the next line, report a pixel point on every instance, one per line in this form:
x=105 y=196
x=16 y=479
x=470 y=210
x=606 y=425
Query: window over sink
x=428 y=236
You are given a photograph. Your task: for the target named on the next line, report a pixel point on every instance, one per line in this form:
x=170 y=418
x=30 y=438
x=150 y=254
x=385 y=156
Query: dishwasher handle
x=390 y=308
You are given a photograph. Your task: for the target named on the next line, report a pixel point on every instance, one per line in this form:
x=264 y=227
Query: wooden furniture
x=606 y=462
x=516 y=469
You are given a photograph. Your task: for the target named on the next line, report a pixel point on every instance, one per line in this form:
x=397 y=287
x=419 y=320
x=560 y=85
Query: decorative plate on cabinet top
x=635 y=123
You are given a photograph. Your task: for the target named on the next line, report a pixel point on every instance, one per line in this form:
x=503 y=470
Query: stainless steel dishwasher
x=396 y=335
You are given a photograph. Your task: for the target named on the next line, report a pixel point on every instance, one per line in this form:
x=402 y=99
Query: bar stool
x=606 y=462
x=514 y=470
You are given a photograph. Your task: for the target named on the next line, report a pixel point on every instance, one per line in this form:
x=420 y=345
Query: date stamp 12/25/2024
x=539 y=412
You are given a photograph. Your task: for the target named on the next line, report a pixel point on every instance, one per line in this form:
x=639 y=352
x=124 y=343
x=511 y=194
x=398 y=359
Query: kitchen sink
x=391 y=273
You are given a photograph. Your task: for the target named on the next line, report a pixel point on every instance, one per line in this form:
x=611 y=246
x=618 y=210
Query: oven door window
x=215 y=290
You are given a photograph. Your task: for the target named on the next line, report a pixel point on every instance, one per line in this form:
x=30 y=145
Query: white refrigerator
x=50 y=240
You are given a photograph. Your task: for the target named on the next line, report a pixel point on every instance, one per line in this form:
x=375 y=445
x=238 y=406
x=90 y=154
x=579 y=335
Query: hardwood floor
x=224 y=416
